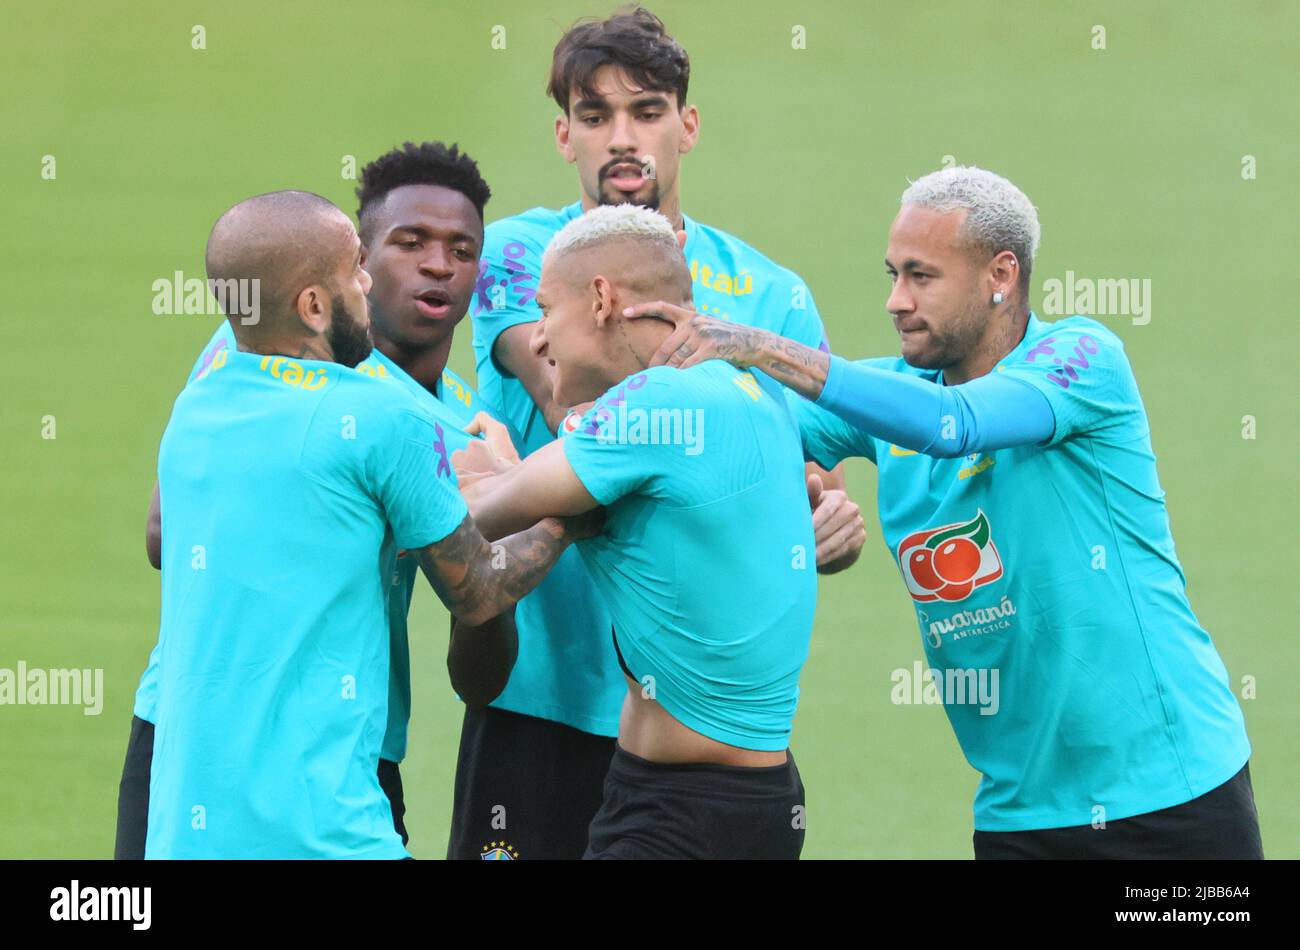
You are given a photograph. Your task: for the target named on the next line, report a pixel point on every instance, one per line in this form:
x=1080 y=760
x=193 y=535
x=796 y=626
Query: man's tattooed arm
x=696 y=338
x=477 y=581
x=800 y=367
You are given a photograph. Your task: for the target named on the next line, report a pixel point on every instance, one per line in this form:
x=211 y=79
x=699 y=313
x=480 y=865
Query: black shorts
x=390 y=780
x=525 y=787
x=133 y=793
x=698 y=811
x=1222 y=823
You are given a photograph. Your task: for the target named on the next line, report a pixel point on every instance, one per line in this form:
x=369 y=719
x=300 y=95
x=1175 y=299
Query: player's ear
x=602 y=303
x=562 y=143
x=313 y=308
x=691 y=125
x=1004 y=270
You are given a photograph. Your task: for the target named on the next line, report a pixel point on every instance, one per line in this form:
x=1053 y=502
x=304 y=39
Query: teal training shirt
x=567 y=670
x=287 y=488
x=453 y=405
x=707 y=560
x=1052 y=567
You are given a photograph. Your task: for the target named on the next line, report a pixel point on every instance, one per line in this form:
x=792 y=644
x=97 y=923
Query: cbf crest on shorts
x=499 y=851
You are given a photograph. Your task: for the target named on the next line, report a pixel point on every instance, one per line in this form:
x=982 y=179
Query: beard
x=955 y=343
x=349 y=339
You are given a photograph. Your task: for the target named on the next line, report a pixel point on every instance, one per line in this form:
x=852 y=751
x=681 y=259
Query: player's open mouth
x=433 y=303
x=627 y=177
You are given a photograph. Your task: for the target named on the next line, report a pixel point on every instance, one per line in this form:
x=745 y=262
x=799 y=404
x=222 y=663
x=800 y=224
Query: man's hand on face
x=838 y=527
x=697 y=337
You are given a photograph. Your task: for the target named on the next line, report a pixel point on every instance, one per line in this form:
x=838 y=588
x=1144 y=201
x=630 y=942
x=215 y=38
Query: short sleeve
x=505 y=295
x=1085 y=375
x=603 y=450
x=223 y=339
x=413 y=481
x=827 y=439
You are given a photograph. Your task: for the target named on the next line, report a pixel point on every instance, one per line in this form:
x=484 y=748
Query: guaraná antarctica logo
x=948 y=562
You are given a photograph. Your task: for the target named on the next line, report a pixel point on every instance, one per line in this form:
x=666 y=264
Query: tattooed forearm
x=478 y=581
x=800 y=367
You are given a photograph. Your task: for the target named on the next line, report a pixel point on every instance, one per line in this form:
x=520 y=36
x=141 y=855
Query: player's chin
x=645 y=196
x=916 y=353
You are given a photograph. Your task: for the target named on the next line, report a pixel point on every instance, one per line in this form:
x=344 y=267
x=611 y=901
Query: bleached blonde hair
x=999 y=217
x=609 y=222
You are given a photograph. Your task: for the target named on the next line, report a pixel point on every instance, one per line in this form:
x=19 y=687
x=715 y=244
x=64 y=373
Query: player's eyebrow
x=656 y=100
x=910 y=265
x=590 y=105
x=424 y=231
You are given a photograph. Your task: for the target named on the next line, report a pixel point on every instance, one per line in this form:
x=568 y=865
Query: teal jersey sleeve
x=397 y=456
x=828 y=439
x=608 y=462
x=413 y=482
x=504 y=297
x=1083 y=371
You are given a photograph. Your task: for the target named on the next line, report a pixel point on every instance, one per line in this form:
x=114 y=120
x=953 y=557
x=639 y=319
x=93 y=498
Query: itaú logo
x=948 y=562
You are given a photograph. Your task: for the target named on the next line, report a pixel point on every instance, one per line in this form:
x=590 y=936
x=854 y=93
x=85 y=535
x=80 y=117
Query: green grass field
x=1133 y=154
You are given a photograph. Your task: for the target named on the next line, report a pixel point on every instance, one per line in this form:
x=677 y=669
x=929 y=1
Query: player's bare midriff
x=649 y=731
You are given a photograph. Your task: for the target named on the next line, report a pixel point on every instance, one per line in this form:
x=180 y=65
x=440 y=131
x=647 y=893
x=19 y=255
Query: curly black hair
x=429 y=163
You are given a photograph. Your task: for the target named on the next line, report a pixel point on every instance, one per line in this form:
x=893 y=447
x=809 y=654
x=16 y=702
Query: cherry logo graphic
x=948 y=562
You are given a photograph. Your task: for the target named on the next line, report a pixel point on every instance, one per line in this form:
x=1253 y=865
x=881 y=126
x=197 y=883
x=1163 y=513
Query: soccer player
x=1018 y=492
x=288 y=483
x=421 y=217
x=542 y=749
x=705 y=560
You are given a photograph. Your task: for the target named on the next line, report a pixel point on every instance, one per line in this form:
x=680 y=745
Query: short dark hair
x=633 y=39
x=429 y=163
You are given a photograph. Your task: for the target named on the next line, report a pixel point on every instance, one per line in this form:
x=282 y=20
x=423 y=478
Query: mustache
x=614 y=163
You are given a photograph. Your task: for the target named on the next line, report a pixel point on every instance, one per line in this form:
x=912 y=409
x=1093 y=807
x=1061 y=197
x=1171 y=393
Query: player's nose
x=437 y=261
x=900 y=301
x=366 y=281
x=622 y=133
x=537 y=342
